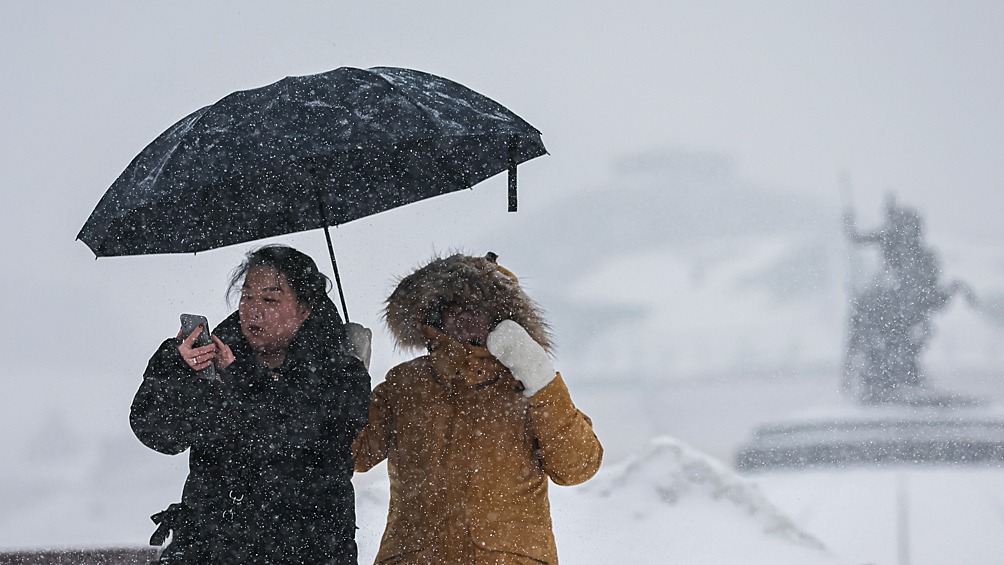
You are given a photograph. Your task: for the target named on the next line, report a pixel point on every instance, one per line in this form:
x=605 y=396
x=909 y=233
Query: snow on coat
x=270 y=462
x=468 y=455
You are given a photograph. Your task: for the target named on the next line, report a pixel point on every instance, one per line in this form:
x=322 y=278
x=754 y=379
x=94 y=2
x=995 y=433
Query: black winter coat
x=271 y=461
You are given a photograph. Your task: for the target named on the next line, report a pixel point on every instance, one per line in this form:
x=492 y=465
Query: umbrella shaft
x=338 y=279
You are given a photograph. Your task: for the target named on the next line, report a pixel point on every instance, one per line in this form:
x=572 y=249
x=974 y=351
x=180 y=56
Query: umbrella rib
x=159 y=165
x=458 y=177
x=510 y=117
x=167 y=160
x=425 y=112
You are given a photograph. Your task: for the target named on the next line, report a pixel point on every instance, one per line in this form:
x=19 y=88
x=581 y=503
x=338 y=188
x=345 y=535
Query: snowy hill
x=668 y=504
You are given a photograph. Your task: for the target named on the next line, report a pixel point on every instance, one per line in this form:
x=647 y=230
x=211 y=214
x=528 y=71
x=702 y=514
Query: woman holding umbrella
x=270 y=437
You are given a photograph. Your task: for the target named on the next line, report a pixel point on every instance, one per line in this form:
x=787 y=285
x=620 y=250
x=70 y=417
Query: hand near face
x=452 y=358
x=527 y=359
x=198 y=358
x=441 y=343
x=224 y=356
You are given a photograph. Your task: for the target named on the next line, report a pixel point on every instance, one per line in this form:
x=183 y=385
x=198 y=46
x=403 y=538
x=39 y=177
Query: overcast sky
x=901 y=95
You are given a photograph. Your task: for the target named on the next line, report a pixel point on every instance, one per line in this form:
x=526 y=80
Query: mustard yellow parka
x=469 y=456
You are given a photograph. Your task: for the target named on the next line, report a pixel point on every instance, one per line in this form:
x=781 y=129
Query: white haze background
x=683 y=234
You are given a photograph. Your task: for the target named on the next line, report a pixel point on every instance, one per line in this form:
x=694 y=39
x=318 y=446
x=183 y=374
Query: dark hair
x=310 y=284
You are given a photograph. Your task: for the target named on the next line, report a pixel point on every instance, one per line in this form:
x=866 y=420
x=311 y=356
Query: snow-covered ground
x=667 y=504
x=657 y=497
x=667 y=499
x=921 y=516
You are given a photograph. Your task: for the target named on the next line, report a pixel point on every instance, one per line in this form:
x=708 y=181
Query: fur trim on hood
x=420 y=298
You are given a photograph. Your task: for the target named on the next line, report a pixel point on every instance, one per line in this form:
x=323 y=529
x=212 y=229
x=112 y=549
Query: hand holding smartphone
x=188 y=324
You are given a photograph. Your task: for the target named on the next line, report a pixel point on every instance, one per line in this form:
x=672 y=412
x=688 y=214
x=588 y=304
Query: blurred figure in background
x=890 y=322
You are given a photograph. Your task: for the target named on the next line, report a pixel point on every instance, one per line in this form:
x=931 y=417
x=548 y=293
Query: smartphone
x=188 y=324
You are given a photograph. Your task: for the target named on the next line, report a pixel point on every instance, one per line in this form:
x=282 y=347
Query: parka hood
x=480 y=282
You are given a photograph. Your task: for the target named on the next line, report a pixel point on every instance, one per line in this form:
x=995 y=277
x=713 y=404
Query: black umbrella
x=304 y=153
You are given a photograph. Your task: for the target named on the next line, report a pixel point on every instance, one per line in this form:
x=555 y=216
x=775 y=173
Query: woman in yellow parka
x=472 y=430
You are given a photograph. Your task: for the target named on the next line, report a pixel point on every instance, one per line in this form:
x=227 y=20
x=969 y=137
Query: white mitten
x=527 y=360
x=359 y=340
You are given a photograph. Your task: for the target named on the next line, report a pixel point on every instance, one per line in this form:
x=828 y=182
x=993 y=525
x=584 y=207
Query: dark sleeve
x=172 y=407
x=349 y=410
x=353 y=404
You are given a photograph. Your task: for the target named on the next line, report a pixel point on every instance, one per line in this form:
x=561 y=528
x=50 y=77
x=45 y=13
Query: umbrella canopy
x=304 y=153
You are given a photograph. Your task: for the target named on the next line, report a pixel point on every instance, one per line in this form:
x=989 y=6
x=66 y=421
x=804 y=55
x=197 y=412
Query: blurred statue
x=890 y=321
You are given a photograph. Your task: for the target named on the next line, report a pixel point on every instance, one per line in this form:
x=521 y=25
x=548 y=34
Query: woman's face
x=269 y=312
x=466 y=325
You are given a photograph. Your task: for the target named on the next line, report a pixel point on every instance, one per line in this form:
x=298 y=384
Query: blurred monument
x=895 y=415
x=890 y=316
